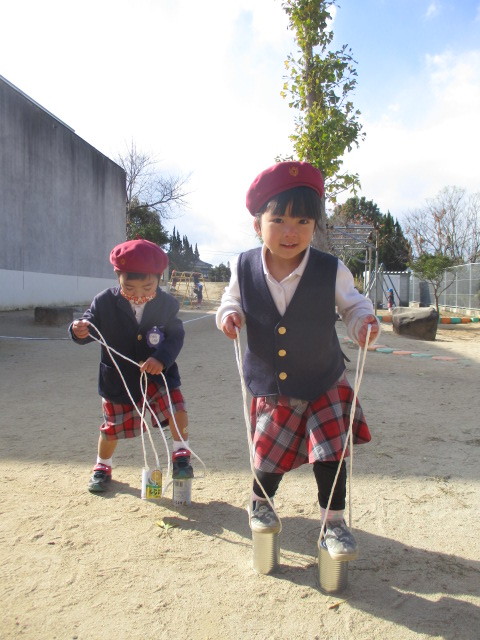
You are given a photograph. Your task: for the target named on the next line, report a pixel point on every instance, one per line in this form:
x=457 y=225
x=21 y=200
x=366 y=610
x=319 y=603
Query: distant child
x=286 y=293
x=140 y=321
x=390 y=300
x=198 y=289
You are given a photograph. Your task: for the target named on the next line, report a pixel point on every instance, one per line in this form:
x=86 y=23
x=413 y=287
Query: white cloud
x=198 y=86
x=432 y=10
x=401 y=164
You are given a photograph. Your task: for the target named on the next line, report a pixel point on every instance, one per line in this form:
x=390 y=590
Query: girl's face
x=286 y=237
x=138 y=291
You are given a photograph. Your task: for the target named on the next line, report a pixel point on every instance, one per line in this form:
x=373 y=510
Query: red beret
x=281 y=177
x=139 y=256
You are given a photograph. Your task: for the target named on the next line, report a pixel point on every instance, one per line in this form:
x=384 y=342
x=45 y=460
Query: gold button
x=282 y=353
x=282 y=330
x=282 y=375
x=139 y=337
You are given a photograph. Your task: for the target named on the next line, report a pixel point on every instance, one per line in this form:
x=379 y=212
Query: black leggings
x=324 y=475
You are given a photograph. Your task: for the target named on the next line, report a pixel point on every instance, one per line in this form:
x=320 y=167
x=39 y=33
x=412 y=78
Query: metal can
x=151 y=484
x=332 y=574
x=182 y=492
x=266 y=551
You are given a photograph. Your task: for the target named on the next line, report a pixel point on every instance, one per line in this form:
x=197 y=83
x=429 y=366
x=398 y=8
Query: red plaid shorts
x=287 y=432
x=123 y=421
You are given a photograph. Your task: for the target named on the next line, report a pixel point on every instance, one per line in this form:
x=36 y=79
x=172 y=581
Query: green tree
x=221 y=273
x=143 y=222
x=393 y=248
x=181 y=255
x=319 y=84
x=431 y=268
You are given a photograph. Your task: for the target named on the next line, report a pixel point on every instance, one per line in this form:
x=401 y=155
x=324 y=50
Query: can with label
x=151 y=484
x=182 y=492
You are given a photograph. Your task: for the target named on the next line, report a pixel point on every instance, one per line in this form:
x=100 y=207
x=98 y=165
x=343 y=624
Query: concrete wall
x=62 y=208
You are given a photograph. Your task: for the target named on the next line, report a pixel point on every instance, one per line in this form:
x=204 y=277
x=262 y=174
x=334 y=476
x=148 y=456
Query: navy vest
x=297 y=354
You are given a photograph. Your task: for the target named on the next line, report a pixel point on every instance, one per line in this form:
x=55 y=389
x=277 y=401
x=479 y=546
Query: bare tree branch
x=447 y=225
x=147 y=187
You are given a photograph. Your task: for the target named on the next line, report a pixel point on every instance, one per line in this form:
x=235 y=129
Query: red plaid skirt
x=123 y=421
x=287 y=432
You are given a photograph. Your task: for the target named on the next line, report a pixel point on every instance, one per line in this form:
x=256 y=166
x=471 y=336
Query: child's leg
x=338 y=538
x=263 y=518
x=106 y=448
x=181 y=418
x=102 y=471
x=325 y=475
x=269 y=481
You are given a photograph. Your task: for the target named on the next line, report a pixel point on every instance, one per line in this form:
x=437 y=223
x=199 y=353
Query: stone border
x=441 y=320
x=382 y=348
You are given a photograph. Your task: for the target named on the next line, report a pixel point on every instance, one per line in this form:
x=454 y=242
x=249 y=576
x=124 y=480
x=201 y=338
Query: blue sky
x=197 y=85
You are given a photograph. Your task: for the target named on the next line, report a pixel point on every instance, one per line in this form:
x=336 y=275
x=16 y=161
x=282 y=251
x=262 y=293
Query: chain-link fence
x=461 y=288
x=462 y=292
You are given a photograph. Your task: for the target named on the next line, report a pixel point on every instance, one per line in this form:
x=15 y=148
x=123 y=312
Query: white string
x=239 y=359
x=146 y=403
x=362 y=354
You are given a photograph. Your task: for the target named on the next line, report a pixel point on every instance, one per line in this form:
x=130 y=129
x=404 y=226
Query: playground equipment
x=183 y=285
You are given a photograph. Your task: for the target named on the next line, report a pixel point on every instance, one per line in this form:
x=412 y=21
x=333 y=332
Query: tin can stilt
x=332 y=574
x=266 y=551
x=182 y=492
x=151 y=484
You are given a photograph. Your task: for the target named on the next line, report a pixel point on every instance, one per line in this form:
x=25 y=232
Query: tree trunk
x=320 y=240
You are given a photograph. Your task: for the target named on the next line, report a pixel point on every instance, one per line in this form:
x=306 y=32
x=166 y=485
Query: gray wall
x=62 y=204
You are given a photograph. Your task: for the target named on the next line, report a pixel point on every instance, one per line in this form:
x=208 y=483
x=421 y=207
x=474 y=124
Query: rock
x=53 y=316
x=417 y=323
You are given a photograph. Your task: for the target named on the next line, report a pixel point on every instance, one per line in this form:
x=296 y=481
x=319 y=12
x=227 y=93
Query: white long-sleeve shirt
x=351 y=305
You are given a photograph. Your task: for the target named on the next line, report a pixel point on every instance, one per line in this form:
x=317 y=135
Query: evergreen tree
x=181 y=255
x=393 y=248
x=221 y=273
x=143 y=222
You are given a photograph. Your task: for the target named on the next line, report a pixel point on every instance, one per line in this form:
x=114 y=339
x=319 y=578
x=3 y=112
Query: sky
x=196 y=85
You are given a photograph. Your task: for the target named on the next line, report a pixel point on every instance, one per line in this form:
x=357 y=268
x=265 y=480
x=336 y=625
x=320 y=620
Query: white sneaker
x=339 y=540
x=263 y=518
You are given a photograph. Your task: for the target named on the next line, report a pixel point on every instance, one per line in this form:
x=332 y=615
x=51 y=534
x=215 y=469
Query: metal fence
x=463 y=291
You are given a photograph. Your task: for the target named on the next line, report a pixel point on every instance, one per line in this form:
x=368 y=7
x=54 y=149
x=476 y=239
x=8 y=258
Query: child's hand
x=230 y=323
x=362 y=334
x=152 y=366
x=80 y=329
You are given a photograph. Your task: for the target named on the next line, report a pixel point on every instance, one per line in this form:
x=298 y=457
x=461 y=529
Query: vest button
x=139 y=337
x=282 y=375
x=282 y=330
x=282 y=353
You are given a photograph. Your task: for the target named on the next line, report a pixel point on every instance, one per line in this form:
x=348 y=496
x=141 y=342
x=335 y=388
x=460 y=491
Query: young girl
x=287 y=293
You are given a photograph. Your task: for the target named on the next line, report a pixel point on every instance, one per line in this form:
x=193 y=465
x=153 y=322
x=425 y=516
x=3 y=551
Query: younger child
x=140 y=321
x=390 y=300
x=198 y=289
x=287 y=293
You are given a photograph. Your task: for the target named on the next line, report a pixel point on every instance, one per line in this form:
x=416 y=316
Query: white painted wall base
x=24 y=289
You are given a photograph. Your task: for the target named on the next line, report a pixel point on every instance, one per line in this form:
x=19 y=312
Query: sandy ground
x=80 y=566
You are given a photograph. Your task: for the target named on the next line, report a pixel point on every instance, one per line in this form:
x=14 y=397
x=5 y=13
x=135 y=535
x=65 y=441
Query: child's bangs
x=305 y=203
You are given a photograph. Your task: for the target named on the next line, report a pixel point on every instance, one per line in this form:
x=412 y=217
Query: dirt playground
x=79 y=566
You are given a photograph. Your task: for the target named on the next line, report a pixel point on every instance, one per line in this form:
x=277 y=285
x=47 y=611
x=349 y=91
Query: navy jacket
x=297 y=354
x=112 y=314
